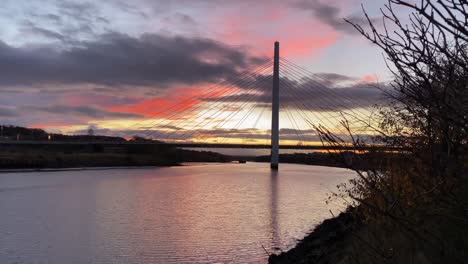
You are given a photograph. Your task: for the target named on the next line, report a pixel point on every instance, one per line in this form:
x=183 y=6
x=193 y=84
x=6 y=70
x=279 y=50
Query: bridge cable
x=201 y=125
x=216 y=93
x=301 y=108
x=305 y=91
x=222 y=100
x=206 y=92
x=225 y=121
x=319 y=80
x=219 y=92
x=211 y=88
x=304 y=106
x=325 y=92
x=358 y=114
x=343 y=107
x=241 y=121
x=322 y=123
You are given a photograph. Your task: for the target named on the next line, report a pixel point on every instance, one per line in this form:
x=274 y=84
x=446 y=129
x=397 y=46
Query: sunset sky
x=115 y=65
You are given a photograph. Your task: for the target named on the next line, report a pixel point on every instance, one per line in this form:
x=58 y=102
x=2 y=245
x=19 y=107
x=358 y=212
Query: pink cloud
x=369 y=78
x=176 y=100
x=299 y=33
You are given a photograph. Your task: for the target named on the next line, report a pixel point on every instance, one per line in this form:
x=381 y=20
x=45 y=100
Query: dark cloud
x=82 y=29
x=30 y=28
x=75 y=20
x=84 y=12
x=131 y=8
x=331 y=15
x=180 y=19
x=335 y=77
x=54 y=18
x=68 y=22
x=117 y=59
x=47 y=17
x=7 y=112
x=103 y=20
x=83 y=111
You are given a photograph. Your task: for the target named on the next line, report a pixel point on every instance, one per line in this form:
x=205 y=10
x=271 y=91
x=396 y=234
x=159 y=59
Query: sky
x=123 y=67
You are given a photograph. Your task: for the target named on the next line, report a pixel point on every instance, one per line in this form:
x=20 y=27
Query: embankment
x=326 y=244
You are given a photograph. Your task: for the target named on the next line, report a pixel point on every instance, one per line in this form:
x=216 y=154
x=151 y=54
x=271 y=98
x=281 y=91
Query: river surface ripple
x=218 y=213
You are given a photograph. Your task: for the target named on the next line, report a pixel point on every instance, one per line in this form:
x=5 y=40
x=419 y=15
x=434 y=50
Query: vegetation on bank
x=411 y=210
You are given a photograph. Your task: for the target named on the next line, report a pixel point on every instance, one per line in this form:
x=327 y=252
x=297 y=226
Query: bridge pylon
x=275 y=111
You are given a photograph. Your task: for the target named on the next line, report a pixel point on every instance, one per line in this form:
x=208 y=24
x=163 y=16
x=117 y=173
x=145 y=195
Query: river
x=217 y=213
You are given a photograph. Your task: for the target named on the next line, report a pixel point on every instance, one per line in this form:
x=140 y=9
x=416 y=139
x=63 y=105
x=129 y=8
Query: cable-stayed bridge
x=274 y=104
x=246 y=111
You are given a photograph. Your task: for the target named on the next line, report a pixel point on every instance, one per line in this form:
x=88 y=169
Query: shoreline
x=181 y=164
x=326 y=243
x=81 y=168
x=91 y=168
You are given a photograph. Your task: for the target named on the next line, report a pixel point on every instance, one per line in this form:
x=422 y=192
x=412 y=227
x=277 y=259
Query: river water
x=218 y=213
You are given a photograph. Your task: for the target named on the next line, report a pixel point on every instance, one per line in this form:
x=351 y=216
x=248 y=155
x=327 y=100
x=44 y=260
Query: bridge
x=231 y=114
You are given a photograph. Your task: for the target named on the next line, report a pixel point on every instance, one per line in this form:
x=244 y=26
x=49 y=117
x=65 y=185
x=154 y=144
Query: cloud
x=7 y=112
x=331 y=15
x=82 y=111
x=117 y=59
x=335 y=77
x=312 y=94
x=34 y=30
x=53 y=18
x=180 y=19
x=83 y=12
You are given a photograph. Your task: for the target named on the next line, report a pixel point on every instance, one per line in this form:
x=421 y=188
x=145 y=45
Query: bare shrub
x=414 y=198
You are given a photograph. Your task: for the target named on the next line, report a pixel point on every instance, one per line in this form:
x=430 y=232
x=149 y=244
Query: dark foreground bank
x=325 y=244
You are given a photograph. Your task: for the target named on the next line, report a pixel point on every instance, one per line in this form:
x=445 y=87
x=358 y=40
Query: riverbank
x=53 y=157
x=77 y=169
x=327 y=243
x=362 y=161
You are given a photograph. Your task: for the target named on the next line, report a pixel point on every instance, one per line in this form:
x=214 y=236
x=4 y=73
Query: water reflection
x=275 y=236
x=203 y=214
